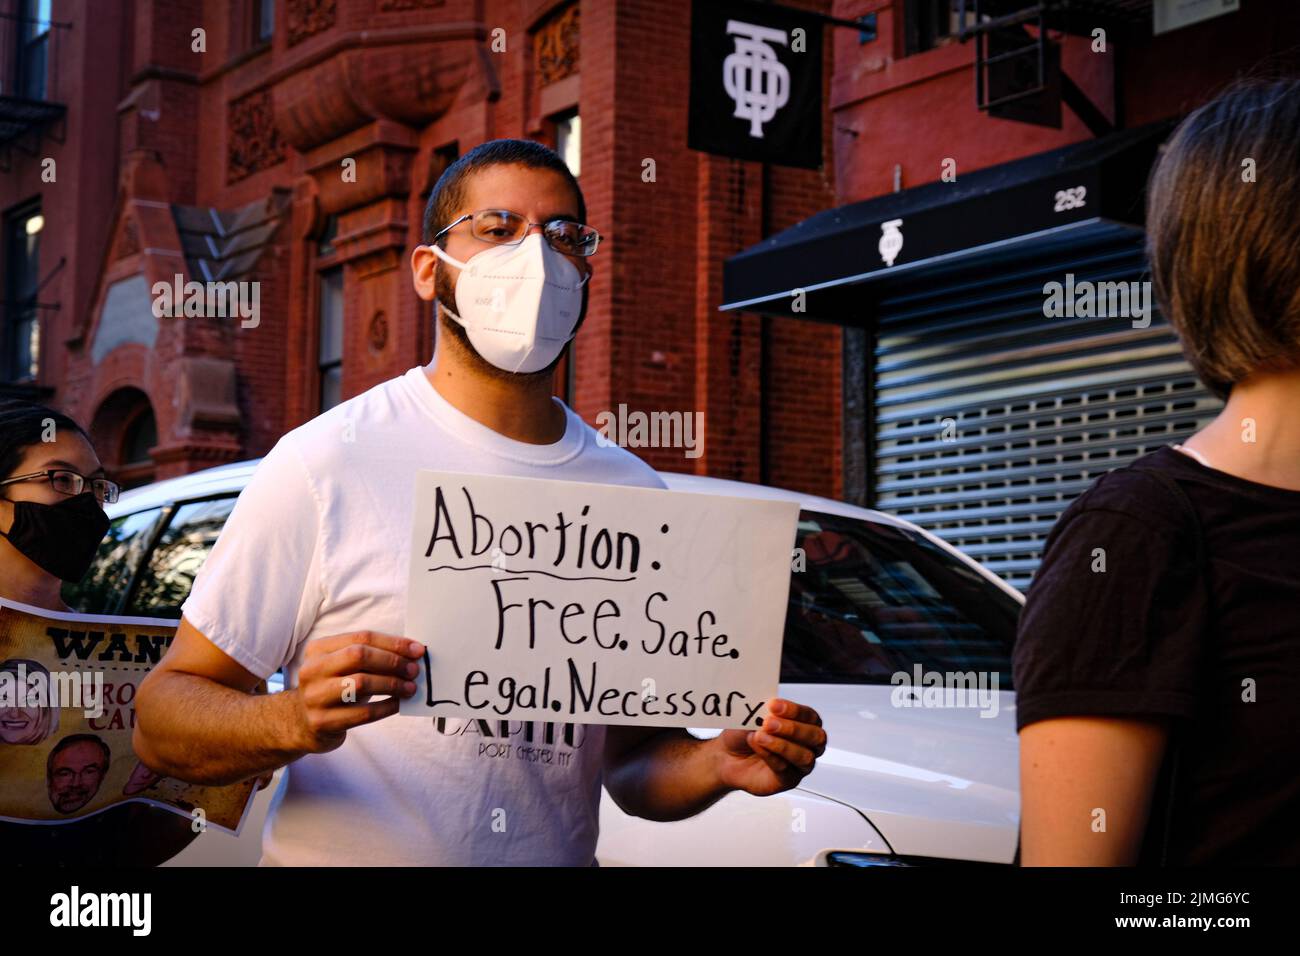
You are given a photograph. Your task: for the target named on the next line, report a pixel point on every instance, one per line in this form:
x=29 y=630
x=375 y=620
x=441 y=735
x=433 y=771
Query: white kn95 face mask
x=519 y=304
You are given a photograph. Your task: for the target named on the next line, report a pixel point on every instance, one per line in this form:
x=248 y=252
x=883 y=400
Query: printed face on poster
x=68 y=685
x=598 y=604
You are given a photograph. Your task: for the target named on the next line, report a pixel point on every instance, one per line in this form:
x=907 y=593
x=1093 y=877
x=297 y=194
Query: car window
x=182 y=547
x=868 y=600
x=104 y=587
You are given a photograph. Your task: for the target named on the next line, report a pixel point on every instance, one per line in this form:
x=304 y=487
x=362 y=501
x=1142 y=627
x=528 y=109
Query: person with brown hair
x=1157 y=664
x=53 y=489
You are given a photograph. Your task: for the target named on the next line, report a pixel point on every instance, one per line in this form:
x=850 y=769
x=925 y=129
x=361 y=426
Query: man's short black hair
x=449 y=192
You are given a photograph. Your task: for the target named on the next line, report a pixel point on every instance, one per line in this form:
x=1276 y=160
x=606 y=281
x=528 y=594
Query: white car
x=916 y=772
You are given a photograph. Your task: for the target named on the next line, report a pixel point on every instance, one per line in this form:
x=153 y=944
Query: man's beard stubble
x=445 y=292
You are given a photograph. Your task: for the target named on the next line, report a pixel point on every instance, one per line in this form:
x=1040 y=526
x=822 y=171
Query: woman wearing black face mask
x=51 y=504
x=52 y=492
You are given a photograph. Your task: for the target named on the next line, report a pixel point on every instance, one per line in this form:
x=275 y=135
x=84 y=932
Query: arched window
x=124 y=429
x=141 y=435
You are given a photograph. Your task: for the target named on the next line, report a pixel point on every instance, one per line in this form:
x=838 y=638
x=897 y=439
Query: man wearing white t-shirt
x=310 y=574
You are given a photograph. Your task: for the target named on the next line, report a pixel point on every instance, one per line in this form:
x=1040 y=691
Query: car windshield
x=868 y=600
x=148 y=560
x=104 y=587
x=168 y=575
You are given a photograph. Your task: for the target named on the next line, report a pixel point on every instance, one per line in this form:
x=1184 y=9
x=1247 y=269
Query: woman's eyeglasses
x=70 y=483
x=505 y=228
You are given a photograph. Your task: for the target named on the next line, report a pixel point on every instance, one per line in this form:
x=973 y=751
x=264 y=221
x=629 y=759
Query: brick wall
x=770 y=391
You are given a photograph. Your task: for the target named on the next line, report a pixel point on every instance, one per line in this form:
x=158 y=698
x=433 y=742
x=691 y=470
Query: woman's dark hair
x=24 y=424
x=448 y=193
x=1223 y=232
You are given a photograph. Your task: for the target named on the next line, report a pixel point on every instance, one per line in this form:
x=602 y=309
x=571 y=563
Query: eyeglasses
x=505 y=228
x=70 y=483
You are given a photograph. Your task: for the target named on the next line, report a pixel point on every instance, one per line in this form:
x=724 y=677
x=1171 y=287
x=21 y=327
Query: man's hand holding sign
x=639 y=608
x=776 y=758
x=339 y=676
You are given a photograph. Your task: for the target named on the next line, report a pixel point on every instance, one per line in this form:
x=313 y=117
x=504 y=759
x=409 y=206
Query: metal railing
x=32 y=100
x=30 y=56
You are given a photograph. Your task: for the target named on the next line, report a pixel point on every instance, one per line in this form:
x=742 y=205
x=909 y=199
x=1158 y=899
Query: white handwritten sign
x=598 y=604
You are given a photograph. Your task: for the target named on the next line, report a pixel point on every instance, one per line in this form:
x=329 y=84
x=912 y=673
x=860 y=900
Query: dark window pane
x=33 y=49
x=140 y=437
x=331 y=387
x=27 y=346
x=265 y=19
x=331 y=316
x=25 y=243
x=874 y=600
x=181 y=550
x=331 y=338
x=927 y=23
x=22 y=332
x=325 y=243
x=103 y=588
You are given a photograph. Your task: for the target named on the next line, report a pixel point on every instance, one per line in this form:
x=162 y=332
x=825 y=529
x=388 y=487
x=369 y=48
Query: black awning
x=1026 y=201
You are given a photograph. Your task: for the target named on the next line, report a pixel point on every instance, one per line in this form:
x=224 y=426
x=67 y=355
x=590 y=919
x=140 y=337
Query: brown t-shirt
x=1211 y=645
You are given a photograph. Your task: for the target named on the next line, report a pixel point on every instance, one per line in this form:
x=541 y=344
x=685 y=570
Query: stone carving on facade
x=378 y=331
x=255 y=142
x=555 y=46
x=306 y=18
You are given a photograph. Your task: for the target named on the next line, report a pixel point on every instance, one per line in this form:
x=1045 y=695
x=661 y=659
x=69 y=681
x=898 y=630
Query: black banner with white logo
x=756 y=82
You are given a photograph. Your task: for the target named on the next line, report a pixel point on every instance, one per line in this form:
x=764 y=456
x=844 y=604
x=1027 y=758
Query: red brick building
x=293 y=143
x=963 y=402
x=223 y=156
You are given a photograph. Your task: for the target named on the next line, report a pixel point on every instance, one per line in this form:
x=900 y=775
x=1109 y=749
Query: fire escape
x=32 y=108
x=1018 y=72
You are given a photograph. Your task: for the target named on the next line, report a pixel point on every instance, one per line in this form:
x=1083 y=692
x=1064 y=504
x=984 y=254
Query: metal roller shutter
x=1036 y=408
